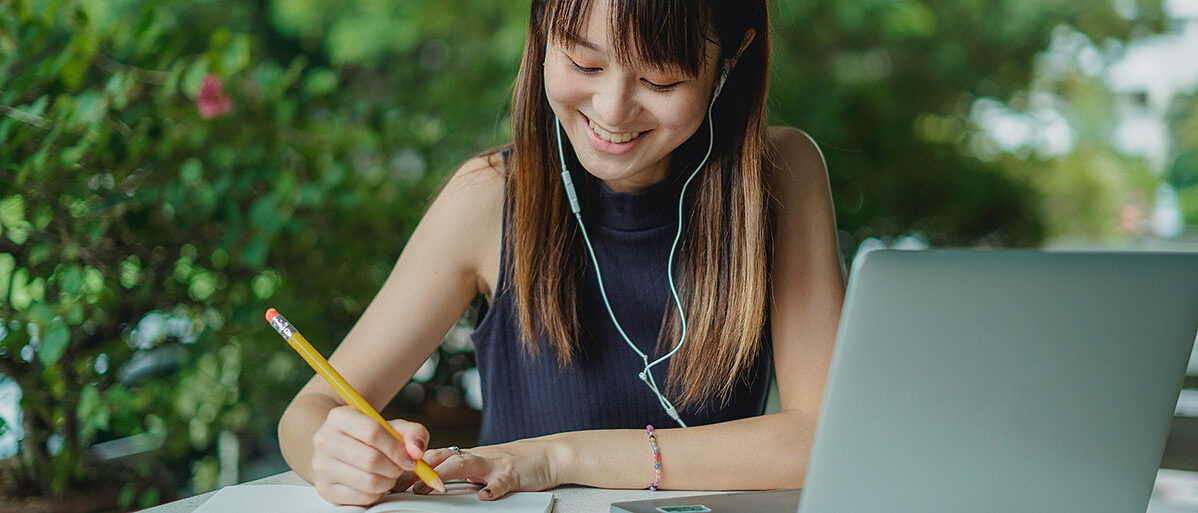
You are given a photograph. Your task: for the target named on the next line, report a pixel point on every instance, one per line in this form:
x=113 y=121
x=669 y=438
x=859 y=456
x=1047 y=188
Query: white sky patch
x=1042 y=128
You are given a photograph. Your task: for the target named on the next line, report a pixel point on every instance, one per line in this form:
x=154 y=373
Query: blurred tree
x=1090 y=191
x=887 y=87
x=144 y=235
x=1183 y=171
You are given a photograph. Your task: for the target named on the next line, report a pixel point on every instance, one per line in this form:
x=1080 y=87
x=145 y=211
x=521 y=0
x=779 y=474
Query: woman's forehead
x=650 y=33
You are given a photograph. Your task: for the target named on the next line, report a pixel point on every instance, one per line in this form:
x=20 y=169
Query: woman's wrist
x=560 y=458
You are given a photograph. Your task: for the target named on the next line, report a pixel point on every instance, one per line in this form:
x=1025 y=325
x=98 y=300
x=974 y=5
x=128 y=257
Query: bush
x=161 y=186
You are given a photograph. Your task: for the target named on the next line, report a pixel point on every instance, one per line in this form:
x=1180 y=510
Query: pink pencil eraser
x=271 y=313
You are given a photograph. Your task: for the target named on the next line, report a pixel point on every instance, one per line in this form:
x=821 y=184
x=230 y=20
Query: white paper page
x=304 y=499
x=463 y=499
x=270 y=499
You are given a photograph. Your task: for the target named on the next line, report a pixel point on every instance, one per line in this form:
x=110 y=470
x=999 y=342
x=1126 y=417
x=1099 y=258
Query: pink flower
x=212 y=101
x=1130 y=218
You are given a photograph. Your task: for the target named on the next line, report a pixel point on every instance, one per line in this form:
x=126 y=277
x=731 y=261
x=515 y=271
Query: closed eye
x=651 y=85
x=660 y=87
x=581 y=69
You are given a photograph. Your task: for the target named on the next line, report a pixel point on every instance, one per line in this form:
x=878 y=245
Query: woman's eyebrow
x=576 y=40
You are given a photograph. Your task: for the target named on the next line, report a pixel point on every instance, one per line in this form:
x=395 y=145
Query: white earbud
x=724 y=70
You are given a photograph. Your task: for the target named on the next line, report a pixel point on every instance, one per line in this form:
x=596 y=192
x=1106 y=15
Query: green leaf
x=320 y=82
x=236 y=56
x=42 y=218
x=75 y=154
x=194 y=78
x=191 y=172
x=42 y=314
x=98 y=13
x=130 y=271
x=12 y=210
x=90 y=108
x=7 y=264
x=19 y=294
x=19 y=234
x=265 y=283
x=203 y=284
x=70 y=280
x=53 y=344
x=149 y=498
x=93 y=281
x=127 y=496
x=79 y=55
x=37 y=108
x=93 y=412
x=43 y=252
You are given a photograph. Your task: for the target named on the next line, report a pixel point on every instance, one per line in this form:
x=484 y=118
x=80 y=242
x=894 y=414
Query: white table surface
x=582 y=499
x=567 y=499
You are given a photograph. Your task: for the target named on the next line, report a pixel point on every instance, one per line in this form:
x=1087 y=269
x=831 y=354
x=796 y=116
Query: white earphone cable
x=645 y=375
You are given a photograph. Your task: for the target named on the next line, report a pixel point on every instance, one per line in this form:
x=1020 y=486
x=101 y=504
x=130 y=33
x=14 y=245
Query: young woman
x=659 y=109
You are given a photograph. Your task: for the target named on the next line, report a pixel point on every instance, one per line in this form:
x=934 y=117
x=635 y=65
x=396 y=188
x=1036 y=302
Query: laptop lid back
x=1003 y=381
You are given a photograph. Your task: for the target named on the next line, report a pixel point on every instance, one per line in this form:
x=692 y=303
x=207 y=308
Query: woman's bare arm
x=431 y=284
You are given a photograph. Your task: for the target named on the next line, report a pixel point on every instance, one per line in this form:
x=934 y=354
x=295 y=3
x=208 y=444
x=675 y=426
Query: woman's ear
x=726 y=68
x=744 y=43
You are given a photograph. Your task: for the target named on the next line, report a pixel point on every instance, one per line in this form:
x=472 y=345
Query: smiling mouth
x=611 y=137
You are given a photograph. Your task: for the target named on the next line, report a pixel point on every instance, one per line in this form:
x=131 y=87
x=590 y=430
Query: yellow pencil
x=351 y=396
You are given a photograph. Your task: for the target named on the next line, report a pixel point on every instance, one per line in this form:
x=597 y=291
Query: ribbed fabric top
x=526 y=397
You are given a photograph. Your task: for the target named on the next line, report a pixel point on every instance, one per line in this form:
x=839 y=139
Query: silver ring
x=456 y=450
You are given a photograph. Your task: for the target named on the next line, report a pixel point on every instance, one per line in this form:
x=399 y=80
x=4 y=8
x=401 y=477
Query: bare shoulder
x=472 y=199
x=477 y=179
x=794 y=164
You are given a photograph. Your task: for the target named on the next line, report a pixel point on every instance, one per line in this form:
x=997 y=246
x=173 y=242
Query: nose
x=614 y=104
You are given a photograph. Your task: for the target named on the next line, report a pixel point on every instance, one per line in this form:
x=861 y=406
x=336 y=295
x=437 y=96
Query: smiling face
x=623 y=119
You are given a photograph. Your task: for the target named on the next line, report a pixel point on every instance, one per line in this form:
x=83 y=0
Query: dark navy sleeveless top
x=532 y=396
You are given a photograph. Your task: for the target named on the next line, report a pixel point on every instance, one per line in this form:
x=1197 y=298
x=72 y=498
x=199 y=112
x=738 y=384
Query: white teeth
x=610 y=137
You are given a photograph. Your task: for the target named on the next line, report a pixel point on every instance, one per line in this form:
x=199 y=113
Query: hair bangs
x=662 y=34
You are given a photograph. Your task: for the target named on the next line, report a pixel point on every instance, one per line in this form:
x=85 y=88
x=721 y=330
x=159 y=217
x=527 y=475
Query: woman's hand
x=520 y=466
x=356 y=461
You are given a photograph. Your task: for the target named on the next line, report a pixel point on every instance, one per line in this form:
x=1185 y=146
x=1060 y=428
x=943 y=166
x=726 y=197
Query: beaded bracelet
x=656 y=458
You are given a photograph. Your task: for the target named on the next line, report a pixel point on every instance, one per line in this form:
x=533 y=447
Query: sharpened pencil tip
x=438 y=485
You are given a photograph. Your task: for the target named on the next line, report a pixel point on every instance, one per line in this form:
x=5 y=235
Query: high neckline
x=651 y=208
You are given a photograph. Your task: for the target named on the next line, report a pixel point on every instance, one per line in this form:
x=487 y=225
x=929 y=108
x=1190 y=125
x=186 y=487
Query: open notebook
x=304 y=499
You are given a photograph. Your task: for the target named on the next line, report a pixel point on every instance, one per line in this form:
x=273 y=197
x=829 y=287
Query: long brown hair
x=722 y=273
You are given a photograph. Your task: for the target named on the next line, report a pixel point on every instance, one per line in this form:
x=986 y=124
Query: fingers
x=357 y=461
x=340 y=494
x=366 y=458
x=415 y=437
x=469 y=467
x=343 y=483
x=496 y=488
x=368 y=431
x=435 y=457
x=405 y=481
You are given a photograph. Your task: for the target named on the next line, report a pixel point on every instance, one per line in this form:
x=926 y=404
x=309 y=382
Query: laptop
x=997 y=381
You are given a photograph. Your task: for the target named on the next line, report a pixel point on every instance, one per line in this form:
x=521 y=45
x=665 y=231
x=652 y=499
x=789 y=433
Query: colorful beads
x=656 y=458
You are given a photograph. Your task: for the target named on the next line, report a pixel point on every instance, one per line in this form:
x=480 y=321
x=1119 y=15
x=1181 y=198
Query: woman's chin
x=622 y=180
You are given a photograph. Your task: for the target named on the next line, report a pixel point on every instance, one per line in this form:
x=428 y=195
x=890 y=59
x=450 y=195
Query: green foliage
x=140 y=243
x=887 y=86
x=1183 y=172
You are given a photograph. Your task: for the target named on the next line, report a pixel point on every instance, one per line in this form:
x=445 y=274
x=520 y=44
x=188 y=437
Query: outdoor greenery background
x=140 y=242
